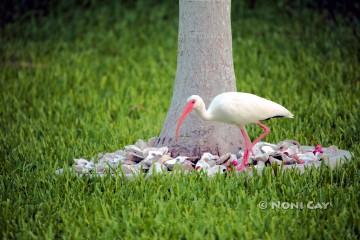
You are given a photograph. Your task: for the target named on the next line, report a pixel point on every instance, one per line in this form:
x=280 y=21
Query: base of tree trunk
x=215 y=138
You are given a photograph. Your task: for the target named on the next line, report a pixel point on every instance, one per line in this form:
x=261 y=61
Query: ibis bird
x=239 y=109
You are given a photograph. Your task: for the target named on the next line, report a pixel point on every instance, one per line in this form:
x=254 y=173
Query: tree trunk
x=205 y=68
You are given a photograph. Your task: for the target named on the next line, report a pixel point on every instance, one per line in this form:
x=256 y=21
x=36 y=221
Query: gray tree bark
x=205 y=68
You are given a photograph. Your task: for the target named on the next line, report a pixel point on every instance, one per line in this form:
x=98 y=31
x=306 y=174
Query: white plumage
x=243 y=108
x=239 y=109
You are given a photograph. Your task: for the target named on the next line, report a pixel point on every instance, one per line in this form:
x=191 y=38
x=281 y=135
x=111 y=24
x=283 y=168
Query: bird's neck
x=203 y=113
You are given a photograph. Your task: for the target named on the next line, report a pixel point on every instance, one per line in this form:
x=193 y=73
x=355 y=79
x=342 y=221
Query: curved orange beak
x=188 y=108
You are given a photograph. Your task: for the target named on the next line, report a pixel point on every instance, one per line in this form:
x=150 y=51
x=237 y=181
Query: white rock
x=100 y=169
x=289 y=147
x=120 y=154
x=83 y=166
x=260 y=164
x=81 y=161
x=217 y=169
x=202 y=165
x=159 y=151
x=165 y=158
x=267 y=149
x=291 y=150
x=111 y=159
x=259 y=167
x=134 y=151
x=172 y=162
x=262 y=157
x=152 y=156
x=157 y=168
x=209 y=157
x=144 y=165
x=307 y=157
x=286 y=158
x=256 y=149
x=274 y=160
x=224 y=158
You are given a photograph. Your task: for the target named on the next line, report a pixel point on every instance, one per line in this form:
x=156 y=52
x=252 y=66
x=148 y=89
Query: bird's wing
x=247 y=108
x=260 y=108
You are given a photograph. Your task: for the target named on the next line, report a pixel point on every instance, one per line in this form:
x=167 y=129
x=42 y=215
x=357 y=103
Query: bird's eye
x=193 y=101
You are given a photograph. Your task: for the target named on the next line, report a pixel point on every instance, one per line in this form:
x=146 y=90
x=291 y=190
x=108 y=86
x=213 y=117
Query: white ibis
x=239 y=109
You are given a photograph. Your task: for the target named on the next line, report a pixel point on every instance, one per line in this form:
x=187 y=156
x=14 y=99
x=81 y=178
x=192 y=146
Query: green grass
x=83 y=81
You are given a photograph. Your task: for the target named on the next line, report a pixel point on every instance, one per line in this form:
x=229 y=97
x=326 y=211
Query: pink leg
x=263 y=135
x=247 y=150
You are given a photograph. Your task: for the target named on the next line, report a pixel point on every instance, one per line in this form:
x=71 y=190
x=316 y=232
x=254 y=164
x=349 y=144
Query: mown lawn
x=84 y=80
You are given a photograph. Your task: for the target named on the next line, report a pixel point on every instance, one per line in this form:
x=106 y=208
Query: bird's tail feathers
x=290 y=115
